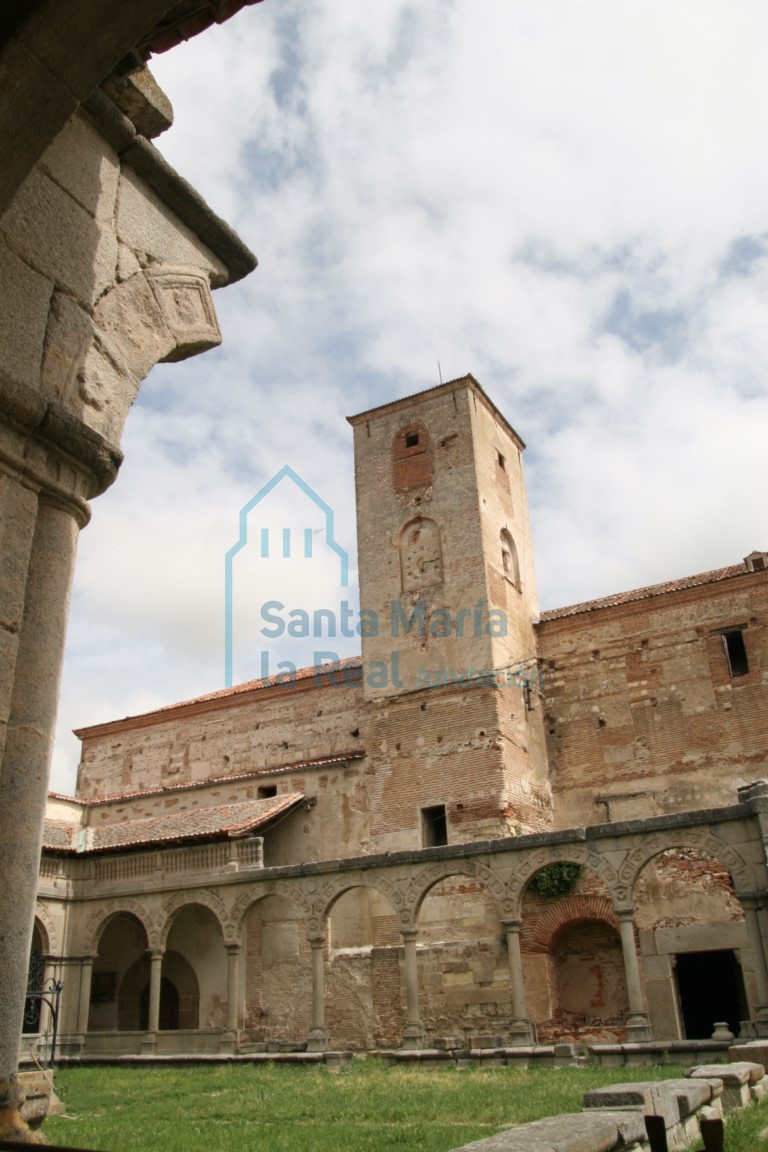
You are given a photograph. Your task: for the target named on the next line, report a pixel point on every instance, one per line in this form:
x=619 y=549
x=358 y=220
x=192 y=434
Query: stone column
x=521 y=1032
x=84 y=1004
x=318 y=1034
x=26 y=757
x=69 y=974
x=228 y=1041
x=753 y=906
x=49 y=975
x=638 y=1021
x=149 y=1040
x=413 y=1033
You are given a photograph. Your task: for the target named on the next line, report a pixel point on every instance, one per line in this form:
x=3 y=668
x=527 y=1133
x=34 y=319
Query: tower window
x=411 y=439
x=434 y=826
x=266 y=791
x=736 y=652
x=502 y=463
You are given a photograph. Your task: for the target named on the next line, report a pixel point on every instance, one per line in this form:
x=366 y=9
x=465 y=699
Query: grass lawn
x=279 y=1108
x=369 y=1108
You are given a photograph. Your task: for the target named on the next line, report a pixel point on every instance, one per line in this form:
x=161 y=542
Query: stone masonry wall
x=642 y=713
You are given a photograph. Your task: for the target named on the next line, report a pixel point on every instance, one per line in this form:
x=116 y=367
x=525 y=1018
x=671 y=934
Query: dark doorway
x=169 y=1007
x=711 y=988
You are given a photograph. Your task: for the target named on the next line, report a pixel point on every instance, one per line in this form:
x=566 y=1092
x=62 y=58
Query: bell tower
x=448 y=599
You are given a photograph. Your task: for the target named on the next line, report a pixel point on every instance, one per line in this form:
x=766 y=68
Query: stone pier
x=107 y=261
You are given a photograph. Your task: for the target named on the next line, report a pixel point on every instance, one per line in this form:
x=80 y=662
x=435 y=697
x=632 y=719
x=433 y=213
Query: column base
x=638 y=1027
x=413 y=1036
x=520 y=1032
x=229 y=1041
x=318 y=1040
x=149 y=1044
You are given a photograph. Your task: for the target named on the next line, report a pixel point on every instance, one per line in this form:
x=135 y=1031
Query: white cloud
x=566 y=200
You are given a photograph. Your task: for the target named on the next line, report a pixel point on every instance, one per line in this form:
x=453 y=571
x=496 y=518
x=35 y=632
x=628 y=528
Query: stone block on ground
x=755 y=1052
x=572 y=1132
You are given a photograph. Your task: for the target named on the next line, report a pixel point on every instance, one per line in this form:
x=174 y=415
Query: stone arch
x=45 y=926
x=276 y=966
x=334 y=891
x=193 y=930
x=364 y=977
x=510 y=560
x=180 y=900
x=253 y=894
x=421 y=554
x=699 y=839
x=121 y=942
x=101 y=917
x=462 y=960
x=428 y=877
x=542 y=858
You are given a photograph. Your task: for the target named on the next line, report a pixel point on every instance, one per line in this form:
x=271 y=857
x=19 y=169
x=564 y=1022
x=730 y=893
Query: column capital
x=155 y=953
x=512 y=923
x=232 y=949
x=316 y=941
x=624 y=912
x=409 y=934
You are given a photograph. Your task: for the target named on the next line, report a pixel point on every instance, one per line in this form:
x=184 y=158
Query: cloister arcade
x=411 y=949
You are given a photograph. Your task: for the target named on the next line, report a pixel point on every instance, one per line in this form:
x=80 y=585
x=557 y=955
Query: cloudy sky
x=569 y=200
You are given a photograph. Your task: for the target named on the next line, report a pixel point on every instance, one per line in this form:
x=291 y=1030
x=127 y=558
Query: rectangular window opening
x=501 y=461
x=736 y=652
x=411 y=439
x=265 y=791
x=434 y=826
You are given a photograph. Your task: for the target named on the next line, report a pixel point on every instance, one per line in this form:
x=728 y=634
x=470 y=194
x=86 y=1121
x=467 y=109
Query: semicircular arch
x=181 y=900
x=699 y=839
x=425 y=880
x=44 y=924
x=104 y=915
x=258 y=892
x=542 y=858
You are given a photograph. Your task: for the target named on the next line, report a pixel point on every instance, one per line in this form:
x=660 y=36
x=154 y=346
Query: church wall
x=642 y=713
x=221 y=738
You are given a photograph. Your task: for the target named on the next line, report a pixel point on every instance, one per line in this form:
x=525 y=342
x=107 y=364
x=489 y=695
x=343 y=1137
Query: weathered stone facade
x=541 y=832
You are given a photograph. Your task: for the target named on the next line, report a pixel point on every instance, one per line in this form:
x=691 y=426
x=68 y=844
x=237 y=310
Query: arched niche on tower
x=510 y=561
x=421 y=555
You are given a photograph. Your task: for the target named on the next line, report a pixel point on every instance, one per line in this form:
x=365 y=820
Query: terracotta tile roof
x=714 y=577
x=351 y=663
x=60 y=835
x=215 y=781
x=196 y=824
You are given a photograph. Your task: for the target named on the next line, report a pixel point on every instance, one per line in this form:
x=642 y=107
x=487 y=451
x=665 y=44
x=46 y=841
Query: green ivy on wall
x=556 y=879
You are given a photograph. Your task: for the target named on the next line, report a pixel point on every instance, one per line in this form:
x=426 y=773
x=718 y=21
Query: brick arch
x=422 y=884
x=538 y=934
x=699 y=839
x=180 y=900
x=542 y=858
x=102 y=916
